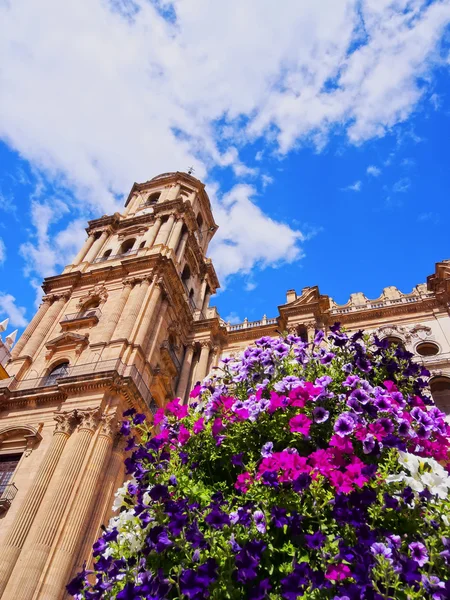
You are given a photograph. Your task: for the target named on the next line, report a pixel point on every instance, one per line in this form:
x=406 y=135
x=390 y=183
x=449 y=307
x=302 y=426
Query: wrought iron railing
x=8 y=492
x=84 y=314
x=114 y=366
x=100 y=259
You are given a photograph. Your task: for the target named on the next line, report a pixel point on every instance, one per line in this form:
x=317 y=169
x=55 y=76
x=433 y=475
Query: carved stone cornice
x=98 y=292
x=89 y=418
x=65 y=421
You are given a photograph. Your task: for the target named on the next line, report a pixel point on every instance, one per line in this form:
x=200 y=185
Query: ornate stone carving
x=65 y=421
x=89 y=418
x=420 y=331
x=395 y=330
x=108 y=424
x=99 y=292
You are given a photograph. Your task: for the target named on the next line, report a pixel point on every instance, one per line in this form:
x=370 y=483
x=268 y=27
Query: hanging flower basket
x=298 y=471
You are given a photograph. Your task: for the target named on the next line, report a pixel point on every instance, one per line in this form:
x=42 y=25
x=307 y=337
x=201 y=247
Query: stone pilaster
x=168 y=231
x=114 y=317
x=155 y=329
x=131 y=310
x=182 y=245
x=202 y=368
x=174 y=237
x=96 y=247
x=17 y=534
x=46 y=302
x=45 y=324
x=185 y=371
x=84 y=250
x=153 y=231
x=102 y=507
x=66 y=547
x=31 y=564
x=149 y=315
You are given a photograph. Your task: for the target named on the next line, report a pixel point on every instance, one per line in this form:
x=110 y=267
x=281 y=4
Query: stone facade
x=128 y=324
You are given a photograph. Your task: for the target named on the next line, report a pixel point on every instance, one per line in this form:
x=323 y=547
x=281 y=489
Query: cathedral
x=129 y=324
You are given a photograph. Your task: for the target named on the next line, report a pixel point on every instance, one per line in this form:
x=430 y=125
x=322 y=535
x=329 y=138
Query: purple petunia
x=320 y=414
x=344 y=425
x=418 y=553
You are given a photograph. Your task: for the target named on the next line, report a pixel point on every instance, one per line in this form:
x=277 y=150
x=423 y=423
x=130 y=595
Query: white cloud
x=354 y=187
x=233 y=318
x=103 y=94
x=2 y=251
x=15 y=313
x=401 y=186
x=250 y=286
x=247 y=237
x=373 y=170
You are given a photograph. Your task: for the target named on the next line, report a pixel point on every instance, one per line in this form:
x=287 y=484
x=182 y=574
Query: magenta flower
x=337 y=572
x=300 y=424
x=199 y=425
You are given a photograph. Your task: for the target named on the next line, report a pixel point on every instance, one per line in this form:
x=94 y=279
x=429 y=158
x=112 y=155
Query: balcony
x=101 y=259
x=85 y=317
x=104 y=368
x=7 y=495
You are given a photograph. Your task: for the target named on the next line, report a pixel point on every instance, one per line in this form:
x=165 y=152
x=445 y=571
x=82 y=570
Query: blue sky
x=320 y=128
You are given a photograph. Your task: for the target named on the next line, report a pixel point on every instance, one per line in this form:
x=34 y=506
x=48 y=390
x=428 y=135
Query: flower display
x=298 y=470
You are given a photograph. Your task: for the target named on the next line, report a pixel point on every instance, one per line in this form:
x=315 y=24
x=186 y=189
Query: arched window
x=186 y=275
x=440 y=390
x=200 y=226
x=427 y=349
x=142 y=245
x=302 y=333
x=395 y=341
x=107 y=253
x=57 y=372
x=153 y=198
x=127 y=246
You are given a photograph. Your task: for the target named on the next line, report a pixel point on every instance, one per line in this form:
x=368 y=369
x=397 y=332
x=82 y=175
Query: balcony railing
x=104 y=367
x=168 y=348
x=8 y=492
x=101 y=259
x=92 y=313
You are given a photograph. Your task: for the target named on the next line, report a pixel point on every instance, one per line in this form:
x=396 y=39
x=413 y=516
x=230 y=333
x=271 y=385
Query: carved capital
x=205 y=344
x=108 y=424
x=65 y=421
x=89 y=419
x=131 y=281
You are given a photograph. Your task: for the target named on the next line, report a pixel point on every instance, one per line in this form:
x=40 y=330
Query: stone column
x=31 y=327
x=176 y=233
x=149 y=316
x=203 y=361
x=14 y=541
x=182 y=246
x=114 y=317
x=44 y=326
x=84 y=250
x=96 y=247
x=168 y=226
x=185 y=371
x=131 y=310
x=66 y=547
x=102 y=507
x=150 y=237
x=151 y=344
x=33 y=558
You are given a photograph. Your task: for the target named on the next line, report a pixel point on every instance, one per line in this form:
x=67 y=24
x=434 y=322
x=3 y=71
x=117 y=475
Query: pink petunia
x=300 y=424
x=183 y=435
x=217 y=427
x=195 y=392
x=343 y=444
x=199 y=425
x=337 y=572
x=159 y=416
x=243 y=483
x=178 y=410
x=390 y=386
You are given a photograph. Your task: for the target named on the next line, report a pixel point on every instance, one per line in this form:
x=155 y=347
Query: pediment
x=310 y=295
x=67 y=341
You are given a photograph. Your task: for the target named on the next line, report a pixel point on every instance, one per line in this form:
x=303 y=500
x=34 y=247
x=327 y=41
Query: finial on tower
x=190 y=170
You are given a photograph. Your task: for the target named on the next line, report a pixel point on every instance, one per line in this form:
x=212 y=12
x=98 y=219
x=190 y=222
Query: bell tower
x=127 y=324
